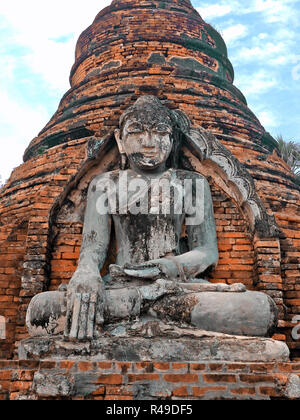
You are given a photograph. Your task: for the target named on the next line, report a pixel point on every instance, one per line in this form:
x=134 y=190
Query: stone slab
x=192 y=347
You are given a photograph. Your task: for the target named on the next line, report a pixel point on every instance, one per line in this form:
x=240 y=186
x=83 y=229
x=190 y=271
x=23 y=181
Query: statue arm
x=202 y=241
x=86 y=291
x=96 y=233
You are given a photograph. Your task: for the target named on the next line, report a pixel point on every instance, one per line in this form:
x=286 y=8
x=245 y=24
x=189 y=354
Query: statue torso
x=144 y=237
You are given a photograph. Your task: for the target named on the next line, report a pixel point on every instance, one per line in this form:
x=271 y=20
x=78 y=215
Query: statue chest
x=142 y=238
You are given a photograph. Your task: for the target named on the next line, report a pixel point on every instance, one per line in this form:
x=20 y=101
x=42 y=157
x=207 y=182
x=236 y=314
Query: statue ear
x=123 y=162
x=119 y=141
x=182 y=120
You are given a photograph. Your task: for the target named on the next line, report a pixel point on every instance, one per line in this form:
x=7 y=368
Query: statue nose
x=148 y=140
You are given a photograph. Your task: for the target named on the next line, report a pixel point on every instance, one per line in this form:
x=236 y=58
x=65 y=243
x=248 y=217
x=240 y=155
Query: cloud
x=264 y=51
x=49 y=32
x=234 y=32
x=213 y=11
x=272 y=11
x=268 y=119
x=258 y=83
x=52 y=61
x=274 y=49
x=276 y=11
x=37 y=46
x=18 y=122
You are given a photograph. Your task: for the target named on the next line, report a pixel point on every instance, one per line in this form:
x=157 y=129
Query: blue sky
x=37 y=44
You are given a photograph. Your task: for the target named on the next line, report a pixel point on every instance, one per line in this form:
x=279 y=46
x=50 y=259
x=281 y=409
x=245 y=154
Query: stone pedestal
x=151 y=361
x=160 y=342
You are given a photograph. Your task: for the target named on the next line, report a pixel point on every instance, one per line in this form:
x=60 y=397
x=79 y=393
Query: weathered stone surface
x=240 y=314
x=46 y=314
x=50 y=384
x=292 y=390
x=157 y=341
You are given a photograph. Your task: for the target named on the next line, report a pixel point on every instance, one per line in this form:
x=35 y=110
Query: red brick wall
x=235 y=243
x=12 y=252
x=66 y=250
x=158 y=381
x=290 y=252
x=25 y=210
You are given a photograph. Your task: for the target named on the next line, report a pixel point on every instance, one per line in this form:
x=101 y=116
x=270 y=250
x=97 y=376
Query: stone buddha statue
x=166 y=242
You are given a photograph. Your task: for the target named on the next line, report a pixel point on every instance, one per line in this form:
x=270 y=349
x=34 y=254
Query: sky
x=37 y=47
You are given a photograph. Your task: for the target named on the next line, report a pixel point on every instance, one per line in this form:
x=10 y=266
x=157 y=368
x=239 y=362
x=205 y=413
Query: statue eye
x=162 y=129
x=135 y=128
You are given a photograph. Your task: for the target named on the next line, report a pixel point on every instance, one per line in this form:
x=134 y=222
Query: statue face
x=146 y=144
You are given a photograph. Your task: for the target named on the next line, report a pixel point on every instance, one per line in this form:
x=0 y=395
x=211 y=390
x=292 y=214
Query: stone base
x=115 y=380
x=191 y=346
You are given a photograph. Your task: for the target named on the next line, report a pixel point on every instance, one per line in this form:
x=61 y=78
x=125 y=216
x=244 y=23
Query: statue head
x=147 y=134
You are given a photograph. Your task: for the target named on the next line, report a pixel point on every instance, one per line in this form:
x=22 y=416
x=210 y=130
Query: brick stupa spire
x=164 y=48
x=133 y=48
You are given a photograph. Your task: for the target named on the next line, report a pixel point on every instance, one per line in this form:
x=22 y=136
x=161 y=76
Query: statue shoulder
x=184 y=174
x=105 y=176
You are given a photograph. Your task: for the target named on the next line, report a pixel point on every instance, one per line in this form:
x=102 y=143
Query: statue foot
x=46 y=314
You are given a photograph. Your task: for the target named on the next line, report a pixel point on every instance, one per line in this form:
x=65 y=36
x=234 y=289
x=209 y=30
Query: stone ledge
x=192 y=345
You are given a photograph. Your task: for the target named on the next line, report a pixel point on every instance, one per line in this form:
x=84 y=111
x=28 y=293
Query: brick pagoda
x=133 y=48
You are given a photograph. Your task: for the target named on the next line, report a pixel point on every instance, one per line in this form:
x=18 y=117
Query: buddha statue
x=159 y=275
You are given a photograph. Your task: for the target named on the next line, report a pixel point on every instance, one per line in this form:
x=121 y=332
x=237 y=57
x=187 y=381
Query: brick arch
x=232 y=176
x=235 y=242
x=68 y=215
x=70 y=165
x=60 y=245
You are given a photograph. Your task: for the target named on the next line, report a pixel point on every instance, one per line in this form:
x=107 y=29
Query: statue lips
x=145 y=158
x=149 y=154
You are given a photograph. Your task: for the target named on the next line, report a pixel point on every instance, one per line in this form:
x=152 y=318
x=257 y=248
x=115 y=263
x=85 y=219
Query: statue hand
x=85 y=305
x=162 y=268
x=144 y=271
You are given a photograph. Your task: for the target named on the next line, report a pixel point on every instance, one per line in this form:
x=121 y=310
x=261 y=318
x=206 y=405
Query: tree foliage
x=290 y=153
